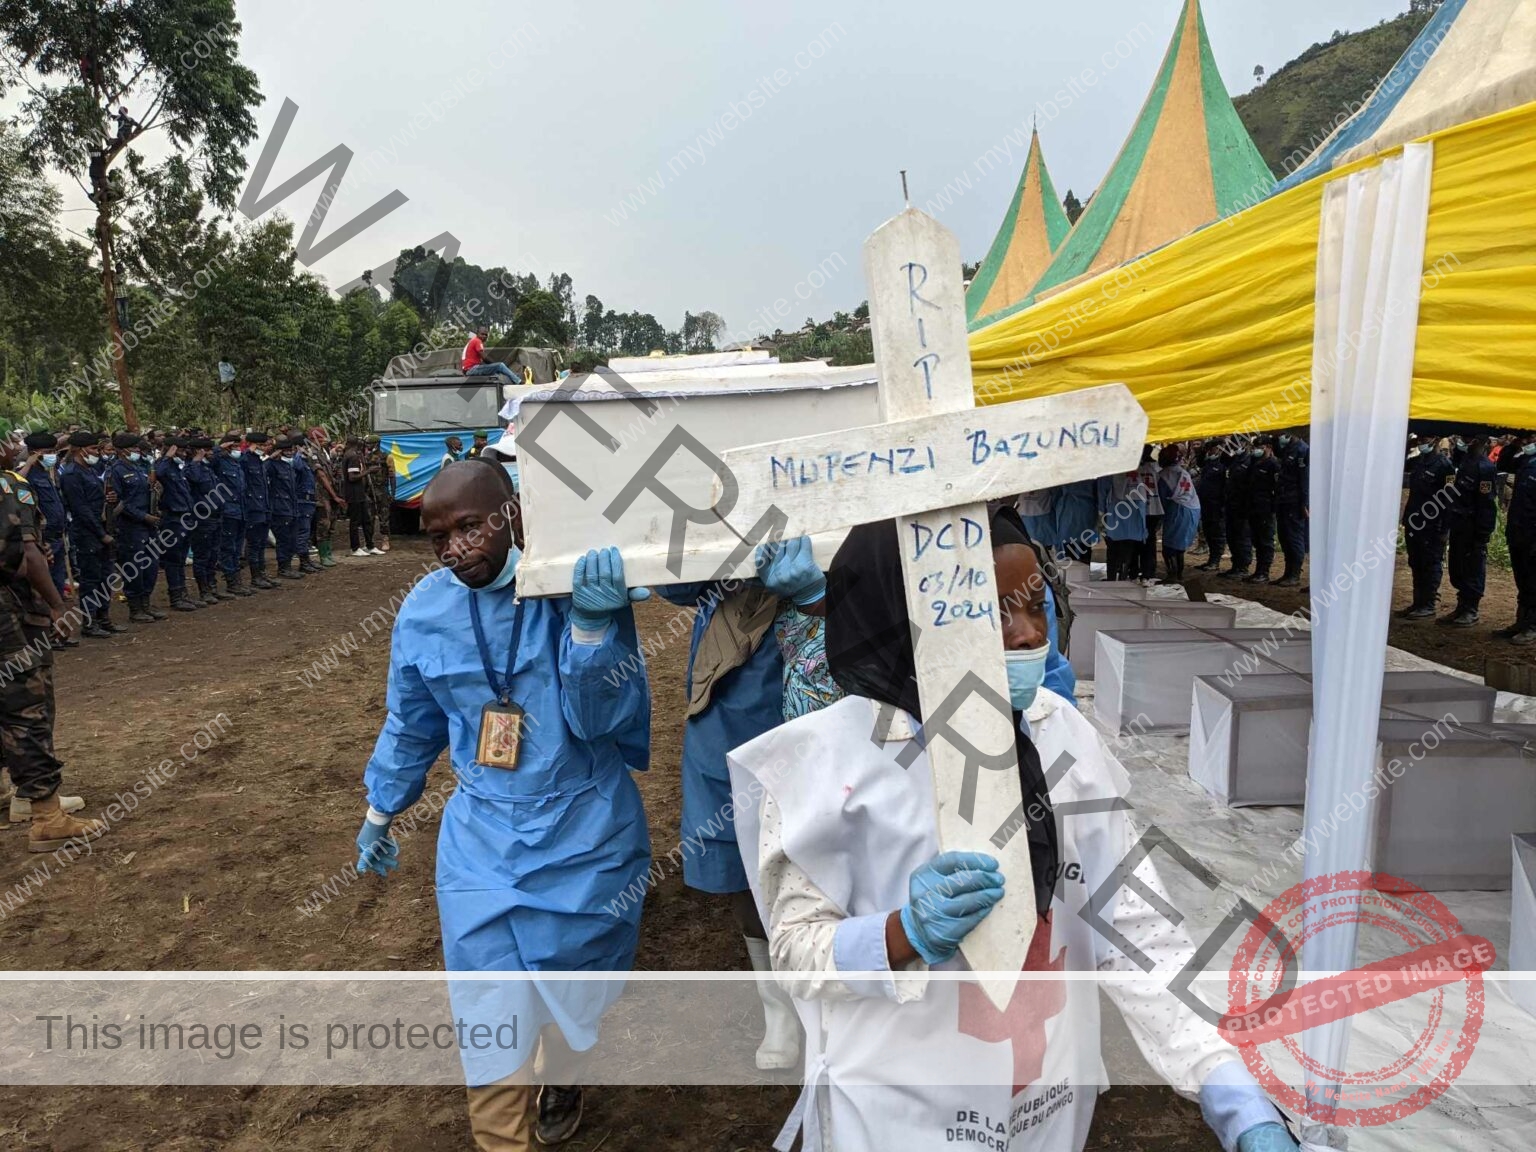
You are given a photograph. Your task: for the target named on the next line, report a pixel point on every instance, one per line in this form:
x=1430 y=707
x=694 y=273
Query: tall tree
x=1072 y=206
x=99 y=77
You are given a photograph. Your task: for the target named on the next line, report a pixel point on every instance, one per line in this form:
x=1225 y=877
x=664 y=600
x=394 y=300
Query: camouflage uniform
x=381 y=492
x=26 y=656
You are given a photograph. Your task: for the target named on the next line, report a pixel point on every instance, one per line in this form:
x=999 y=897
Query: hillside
x=1300 y=105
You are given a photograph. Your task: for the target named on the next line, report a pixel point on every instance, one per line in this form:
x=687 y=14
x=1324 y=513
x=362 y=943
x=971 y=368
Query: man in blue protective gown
x=544 y=706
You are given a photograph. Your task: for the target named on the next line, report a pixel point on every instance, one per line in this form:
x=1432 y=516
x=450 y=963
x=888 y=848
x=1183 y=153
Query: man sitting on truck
x=475 y=363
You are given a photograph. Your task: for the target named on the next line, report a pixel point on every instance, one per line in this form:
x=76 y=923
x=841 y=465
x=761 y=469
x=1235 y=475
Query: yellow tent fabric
x=1213 y=333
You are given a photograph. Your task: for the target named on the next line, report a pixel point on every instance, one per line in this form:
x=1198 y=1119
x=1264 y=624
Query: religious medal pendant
x=501 y=734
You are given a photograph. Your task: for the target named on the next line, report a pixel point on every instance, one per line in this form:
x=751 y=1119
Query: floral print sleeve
x=808 y=683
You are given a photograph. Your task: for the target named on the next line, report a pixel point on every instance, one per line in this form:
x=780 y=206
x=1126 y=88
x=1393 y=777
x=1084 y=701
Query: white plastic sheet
x=1522 y=920
x=1370 y=259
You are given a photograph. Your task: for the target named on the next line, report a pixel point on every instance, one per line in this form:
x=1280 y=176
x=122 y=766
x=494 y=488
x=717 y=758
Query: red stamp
x=1435 y=980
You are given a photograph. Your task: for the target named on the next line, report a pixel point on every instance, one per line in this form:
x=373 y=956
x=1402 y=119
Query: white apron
x=939 y=1072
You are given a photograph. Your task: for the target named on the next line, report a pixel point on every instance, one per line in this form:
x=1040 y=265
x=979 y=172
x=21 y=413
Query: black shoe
x=114 y=627
x=1257 y=578
x=1288 y=582
x=97 y=632
x=1407 y=613
x=155 y=613
x=310 y=569
x=1511 y=632
x=1235 y=574
x=1467 y=618
x=1524 y=638
x=287 y=574
x=264 y=583
x=73 y=641
x=140 y=616
x=1422 y=612
x=559 y=1114
x=183 y=603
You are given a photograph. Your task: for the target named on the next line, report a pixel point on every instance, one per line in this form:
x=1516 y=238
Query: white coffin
x=1109 y=590
x=1522 y=921
x=1095 y=613
x=1459 y=794
x=726 y=408
x=1248 y=739
x=1144 y=680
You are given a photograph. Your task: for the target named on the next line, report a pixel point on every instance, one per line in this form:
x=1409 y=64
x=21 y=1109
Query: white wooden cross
x=932 y=464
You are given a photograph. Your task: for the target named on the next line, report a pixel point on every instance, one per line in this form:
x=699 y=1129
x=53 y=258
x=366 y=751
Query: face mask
x=1426 y=449
x=93 y=460
x=135 y=456
x=508 y=571
x=50 y=460
x=1528 y=450
x=1026 y=672
x=235 y=452
x=1258 y=453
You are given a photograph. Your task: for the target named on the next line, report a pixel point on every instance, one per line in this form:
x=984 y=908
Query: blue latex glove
x=1266 y=1138
x=376 y=852
x=947 y=898
x=598 y=591
x=787 y=568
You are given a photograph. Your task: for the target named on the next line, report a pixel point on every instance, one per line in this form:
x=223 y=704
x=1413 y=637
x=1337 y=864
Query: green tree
x=540 y=321
x=1072 y=206
x=100 y=77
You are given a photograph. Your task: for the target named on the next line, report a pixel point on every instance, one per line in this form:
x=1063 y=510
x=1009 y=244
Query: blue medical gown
x=1059 y=677
x=745 y=703
x=1077 y=513
x=542 y=867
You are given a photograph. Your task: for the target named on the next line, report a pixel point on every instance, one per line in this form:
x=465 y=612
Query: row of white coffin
x=1454 y=785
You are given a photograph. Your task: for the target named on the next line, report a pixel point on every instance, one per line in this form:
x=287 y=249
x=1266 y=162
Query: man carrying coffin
x=543 y=713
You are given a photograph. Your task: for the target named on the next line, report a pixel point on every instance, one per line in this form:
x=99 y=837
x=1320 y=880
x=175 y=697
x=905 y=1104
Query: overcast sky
x=579 y=105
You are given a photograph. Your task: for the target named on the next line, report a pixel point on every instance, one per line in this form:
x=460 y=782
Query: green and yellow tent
x=1032 y=231
x=1188 y=162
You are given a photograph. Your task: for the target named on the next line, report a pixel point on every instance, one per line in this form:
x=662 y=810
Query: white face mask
x=93 y=460
x=1026 y=672
x=505 y=576
x=50 y=460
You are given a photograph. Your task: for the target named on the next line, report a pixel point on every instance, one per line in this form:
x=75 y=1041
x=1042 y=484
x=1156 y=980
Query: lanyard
x=502 y=686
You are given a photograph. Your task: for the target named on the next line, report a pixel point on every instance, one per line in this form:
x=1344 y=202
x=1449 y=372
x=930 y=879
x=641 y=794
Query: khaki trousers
x=502 y=1115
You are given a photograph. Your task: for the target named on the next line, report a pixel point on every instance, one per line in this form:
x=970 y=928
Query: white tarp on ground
x=1257 y=854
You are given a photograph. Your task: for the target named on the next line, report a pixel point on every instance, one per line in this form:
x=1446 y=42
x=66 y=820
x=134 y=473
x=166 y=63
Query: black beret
x=258 y=438
x=127 y=440
x=230 y=438
x=37 y=440
x=282 y=442
x=82 y=439
x=200 y=443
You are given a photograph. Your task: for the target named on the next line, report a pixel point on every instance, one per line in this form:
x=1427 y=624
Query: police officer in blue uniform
x=138 y=556
x=1211 y=488
x=1520 y=532
x=1473 y=515
x=83 y=486
x=176 y=520
x=1263 y=490
x=1292 y=510
x=304 y=487
x=1239 y=537
x=257 y=512
x=38 y=469
x=1430 y=479
x=282 y=503
x=203 y=530
x=230 y=475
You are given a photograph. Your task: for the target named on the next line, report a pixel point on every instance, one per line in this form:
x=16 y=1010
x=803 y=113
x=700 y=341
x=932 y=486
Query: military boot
x=236 y=586
x=53 y=828
x=138 y=612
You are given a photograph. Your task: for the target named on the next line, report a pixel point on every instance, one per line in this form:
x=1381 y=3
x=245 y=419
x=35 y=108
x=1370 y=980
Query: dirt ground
x=207 y=873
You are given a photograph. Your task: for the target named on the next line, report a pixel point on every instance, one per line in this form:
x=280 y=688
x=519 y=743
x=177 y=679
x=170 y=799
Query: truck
x=420 y=401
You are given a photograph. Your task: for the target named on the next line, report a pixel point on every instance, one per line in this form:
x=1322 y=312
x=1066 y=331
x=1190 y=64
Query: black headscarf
x=869 y=651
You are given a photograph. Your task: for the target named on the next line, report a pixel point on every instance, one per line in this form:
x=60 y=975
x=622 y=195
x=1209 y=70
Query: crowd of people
x=118 y=511
x=92 y=518
x=1239 y=497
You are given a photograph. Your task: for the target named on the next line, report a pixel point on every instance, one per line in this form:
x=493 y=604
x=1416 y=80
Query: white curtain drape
x=1370 y=261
